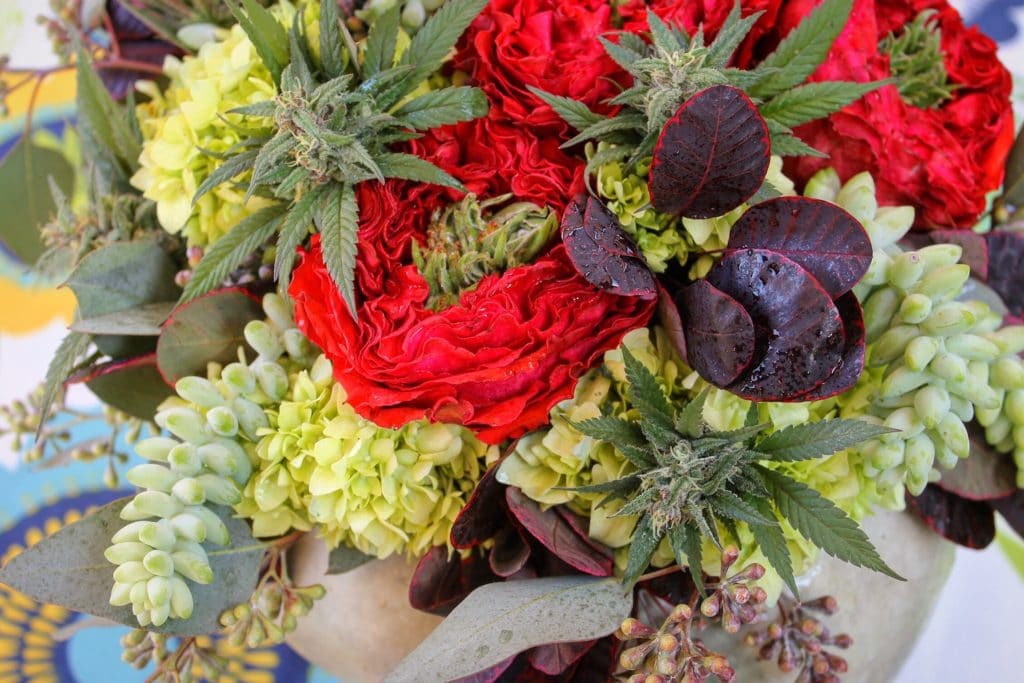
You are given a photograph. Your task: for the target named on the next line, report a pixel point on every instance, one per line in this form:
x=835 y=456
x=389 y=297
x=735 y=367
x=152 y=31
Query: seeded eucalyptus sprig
x=330 y=127
x=673 y=66
x=688 y=479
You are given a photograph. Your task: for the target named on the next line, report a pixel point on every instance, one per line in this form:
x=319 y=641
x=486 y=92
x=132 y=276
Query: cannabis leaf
x=330 y=128
x=690 y=482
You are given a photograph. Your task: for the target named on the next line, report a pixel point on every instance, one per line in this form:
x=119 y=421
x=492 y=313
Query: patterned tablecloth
x=972 y=627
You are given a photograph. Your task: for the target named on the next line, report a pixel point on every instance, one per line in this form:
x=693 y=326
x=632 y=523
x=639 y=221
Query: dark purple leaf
x=1012 y=510
x=712 y=155
x=491 y=675
x=126 y=25
x=440 y=582
x=670 y=590
x=719 y=333
x=824 y=239
x=602 y=251
x=986 y=475
x=553 y=659
x=555 y=534
x=671 y=322
x=133 y=386
x=1006 y=268
x=800 y=339
x=510 y=552
x=120 y=81
x=964 y=522
x=484 y=514
x=851 y=366
x=600 y=662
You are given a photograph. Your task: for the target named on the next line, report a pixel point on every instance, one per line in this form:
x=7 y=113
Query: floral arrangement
x=610 y=316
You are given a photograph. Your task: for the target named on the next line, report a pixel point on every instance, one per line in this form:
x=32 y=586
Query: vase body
x=365 y=626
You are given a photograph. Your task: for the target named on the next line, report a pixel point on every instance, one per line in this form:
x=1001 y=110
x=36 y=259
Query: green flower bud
x=222 y=421
x=185 y=460
x=189 y=526
x=181 y=598
x=999 y=430
x=948 y=367
x=886 y=456
x=128 y=551
x=296 y=344
x=263 y=340
x=158 y=563
x=159 y=535
x=879 y=310
x=878 y=270
x=1008 y=373
x=219 y=490
x=158 y=589
x=216 y=530
x=944 y=456
x=156 y=504
x=200 y=391
x=1014 y=406
x=825 y=184
x=902 y=381
x=937 y=255
x=1009 y=339
x=129 y=532
x=192 y=567
x=278 y=310
x=915 y=309
x=892 y=344
x=251 y=417
x=944 y=283
x=155 y=448
x=907 y=421
x=184 y=423
x=130 y=572
x=152 y=476
x=159 y=613
x=972 y=347
x=932 y=404
x=413 y=14
x=920 y=352
x=919 y=454
x=239 y=378
x=120 y=594
x=954 y=435
x=949 y=319
x=138 y=592
x=189 y=492
x=272 y=379
x=906 y=269
x=961 y=407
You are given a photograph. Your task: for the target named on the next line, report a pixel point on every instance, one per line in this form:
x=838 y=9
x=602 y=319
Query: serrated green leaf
x=788 y=145
x=817 y=439
x=620 y=54
x=63 y=362
x=619 y=486
x=665 y=39
x=814 y=101
x=689 y=552
x=729 y=37
x=805 y=48
x=379 y=53
x=690 y=420
x=330 y=40
x=822 y=523
x=641 y=550
x=646 y=395
x=338 y=237
x=575 y=113
x=231 y=168
x=267 y=36
x=435 y=40
x=295 y=227
x=105 y=119
x=622 y=122
x=301 y=64
x=772 y=543
x=499 y=620
x=443 y=107
x=409 y=167
x=69 y=569
x=624 y=435
x=232 y=249
x=728 y=504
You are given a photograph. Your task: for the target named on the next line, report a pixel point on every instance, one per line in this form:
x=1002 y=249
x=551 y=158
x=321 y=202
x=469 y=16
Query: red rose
x=493 y=156
x=710 y=14
x=548 y=44
x=942 y=160
x=496 y=362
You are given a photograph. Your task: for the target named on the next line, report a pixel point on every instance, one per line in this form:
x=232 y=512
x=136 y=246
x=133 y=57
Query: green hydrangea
x=665 y=239
x=383 y=491
x=186 y=125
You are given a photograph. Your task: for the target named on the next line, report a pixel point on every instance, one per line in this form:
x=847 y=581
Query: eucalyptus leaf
x=499 y=620
x=24 y=175
x=346 y=558
x=63 y=362
x=210 y=328
x=143 y=321
x=68 y=569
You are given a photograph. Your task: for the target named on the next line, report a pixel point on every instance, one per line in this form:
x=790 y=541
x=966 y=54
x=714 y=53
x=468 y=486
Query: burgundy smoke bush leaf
x=712 y=155
x=548 y=527
x=440 y=582
x=824 y=239
x=1006 y=268
x=133 y=386
x=719 y=333
x=555 y=658
x=852 y=364
x=1012 y=510
x=964 y=522
x=668 y=314
x=798 y=329
x=602 y=251
x=599 y=663
x=510 y=553
x=484 y=514
x=491 y=675
x=986 y=475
